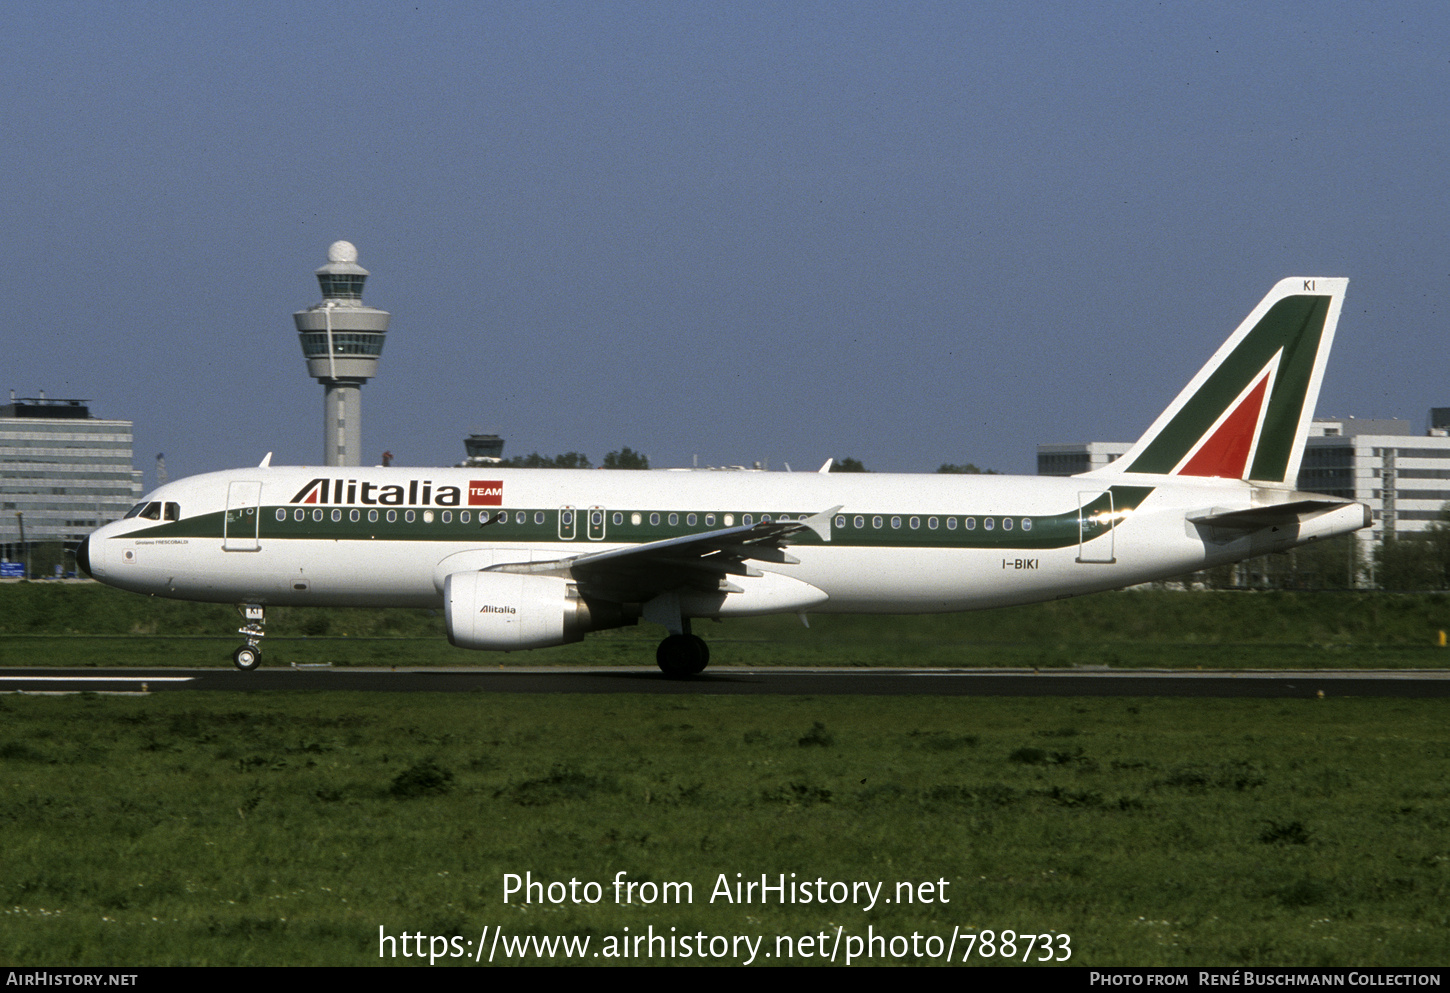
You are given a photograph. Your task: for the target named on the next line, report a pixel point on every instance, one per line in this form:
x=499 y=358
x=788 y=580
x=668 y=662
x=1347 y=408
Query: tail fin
x=1247 y=412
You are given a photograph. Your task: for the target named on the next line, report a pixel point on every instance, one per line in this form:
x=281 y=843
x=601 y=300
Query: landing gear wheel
x=247 y=658
x=682 y=655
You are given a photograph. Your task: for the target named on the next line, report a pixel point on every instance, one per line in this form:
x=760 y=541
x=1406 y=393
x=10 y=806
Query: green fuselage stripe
x=543 y=526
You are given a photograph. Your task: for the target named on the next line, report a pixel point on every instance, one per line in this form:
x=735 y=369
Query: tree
x=568 y=460
x=1408 y=562
x=848 y=465
x=966 y=470
x=626 y=458
x=1333 y=563
x=1415 y=561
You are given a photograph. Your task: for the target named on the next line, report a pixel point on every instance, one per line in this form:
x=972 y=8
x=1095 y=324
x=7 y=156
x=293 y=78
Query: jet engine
x=508 y=611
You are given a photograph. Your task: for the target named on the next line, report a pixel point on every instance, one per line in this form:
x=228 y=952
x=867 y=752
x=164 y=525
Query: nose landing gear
x=249 y=656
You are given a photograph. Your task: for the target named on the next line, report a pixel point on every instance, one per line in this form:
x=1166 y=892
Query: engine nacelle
x=509 y=611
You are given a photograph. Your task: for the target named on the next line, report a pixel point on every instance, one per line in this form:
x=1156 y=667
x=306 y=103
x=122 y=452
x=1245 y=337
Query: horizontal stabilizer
x=1256 y=518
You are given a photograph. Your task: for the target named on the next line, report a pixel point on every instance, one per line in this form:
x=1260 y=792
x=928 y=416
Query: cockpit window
x=156 y=511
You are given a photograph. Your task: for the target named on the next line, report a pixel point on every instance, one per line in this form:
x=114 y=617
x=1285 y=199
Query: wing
x=695 y=562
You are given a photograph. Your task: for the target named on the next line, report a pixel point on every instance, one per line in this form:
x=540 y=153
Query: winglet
x=821 y=523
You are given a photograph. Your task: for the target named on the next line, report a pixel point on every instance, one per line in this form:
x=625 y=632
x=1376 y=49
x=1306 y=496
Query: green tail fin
x=1246 y=414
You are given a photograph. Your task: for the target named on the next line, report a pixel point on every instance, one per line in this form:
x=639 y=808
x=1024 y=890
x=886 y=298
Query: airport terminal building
x=1403 y=477
x=1071 y=459
x=63 y=473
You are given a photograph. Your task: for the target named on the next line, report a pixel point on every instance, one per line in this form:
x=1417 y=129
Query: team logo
x=485 y=493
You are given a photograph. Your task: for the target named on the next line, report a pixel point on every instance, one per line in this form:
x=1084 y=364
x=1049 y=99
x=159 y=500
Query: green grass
x=260 y=829
x=88 y=624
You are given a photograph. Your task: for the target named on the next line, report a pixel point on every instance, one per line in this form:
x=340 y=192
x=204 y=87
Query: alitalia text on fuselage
x=335 y=491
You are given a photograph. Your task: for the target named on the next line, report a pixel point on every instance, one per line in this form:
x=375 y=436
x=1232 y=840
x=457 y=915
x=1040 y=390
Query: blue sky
x=910 y=233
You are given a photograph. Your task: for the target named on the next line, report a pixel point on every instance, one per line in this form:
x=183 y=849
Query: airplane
x=529 y=558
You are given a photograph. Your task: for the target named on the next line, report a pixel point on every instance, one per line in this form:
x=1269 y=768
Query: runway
x=1081 y=682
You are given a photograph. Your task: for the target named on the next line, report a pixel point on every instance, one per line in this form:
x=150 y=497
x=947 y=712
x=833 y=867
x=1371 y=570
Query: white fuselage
x=897 y=543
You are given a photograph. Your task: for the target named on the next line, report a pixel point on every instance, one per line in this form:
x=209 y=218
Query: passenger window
x=859 y=522
x=1026 y=524
x=281 y=514
x=951 y=523
x=674 y=519
x=691 y=519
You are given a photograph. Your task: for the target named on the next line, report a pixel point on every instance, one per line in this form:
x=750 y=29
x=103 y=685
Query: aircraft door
x=567 y=525
x=243 y=519
x=595 y=524
x=1095 y=526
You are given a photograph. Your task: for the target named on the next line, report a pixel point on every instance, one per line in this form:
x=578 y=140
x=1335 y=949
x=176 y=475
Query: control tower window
x=314 y=343
x=341 y=286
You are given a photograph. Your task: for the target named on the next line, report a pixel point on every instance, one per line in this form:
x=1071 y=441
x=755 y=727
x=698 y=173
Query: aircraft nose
x=83 y=555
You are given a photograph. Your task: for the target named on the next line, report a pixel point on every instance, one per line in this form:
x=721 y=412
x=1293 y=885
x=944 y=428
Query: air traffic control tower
x=341 y=340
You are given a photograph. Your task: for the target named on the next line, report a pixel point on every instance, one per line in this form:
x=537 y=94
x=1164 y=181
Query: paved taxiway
x=742 y=680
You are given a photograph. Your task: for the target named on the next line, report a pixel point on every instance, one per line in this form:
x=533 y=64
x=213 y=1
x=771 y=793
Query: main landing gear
x=682 y=655
x=249 y=656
